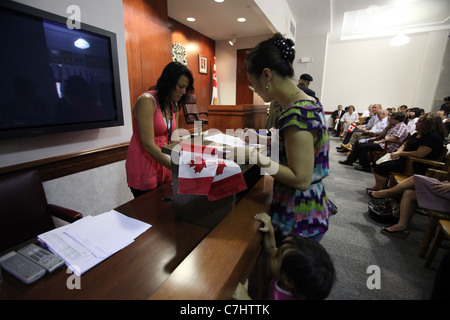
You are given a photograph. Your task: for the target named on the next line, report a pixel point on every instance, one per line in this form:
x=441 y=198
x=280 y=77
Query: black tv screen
x=54 y=78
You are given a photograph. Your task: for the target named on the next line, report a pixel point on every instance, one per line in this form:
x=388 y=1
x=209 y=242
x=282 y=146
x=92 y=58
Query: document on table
x=88 y=241
x=228 y=140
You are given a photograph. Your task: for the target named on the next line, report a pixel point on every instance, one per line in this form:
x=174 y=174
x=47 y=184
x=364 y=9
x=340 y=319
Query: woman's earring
x=267 y=87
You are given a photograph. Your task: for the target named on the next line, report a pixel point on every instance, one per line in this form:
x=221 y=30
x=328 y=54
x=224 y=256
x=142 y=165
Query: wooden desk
x=174 y=259
x=132 y=273
x=226 y=256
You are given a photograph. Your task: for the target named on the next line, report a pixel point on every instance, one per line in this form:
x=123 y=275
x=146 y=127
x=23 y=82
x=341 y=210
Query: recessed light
x=241 y=19
x=218 y=0
x=190 y=19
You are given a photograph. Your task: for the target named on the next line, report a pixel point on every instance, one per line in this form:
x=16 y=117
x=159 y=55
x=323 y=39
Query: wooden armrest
x=65 y=214
x=409 y=165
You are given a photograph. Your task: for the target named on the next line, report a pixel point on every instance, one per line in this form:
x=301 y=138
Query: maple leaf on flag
x=220 y=166
x=198 y=164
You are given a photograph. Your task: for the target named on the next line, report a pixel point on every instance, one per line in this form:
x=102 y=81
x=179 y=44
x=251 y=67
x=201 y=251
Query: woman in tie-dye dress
x=300 y=203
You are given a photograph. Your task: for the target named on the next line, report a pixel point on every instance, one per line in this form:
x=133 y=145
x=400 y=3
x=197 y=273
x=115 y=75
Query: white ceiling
x=218 y=21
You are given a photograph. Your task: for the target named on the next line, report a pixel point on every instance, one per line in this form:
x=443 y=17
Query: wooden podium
x=223 y=117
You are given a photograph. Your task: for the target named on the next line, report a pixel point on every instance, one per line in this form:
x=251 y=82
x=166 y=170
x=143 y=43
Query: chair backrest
x=23 y=213
x=190 y=109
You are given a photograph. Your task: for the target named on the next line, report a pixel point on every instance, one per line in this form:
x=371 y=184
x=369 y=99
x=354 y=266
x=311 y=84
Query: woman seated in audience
x=395 y=131
x=348 y=118
x=417 y=191
x=413 y=115
x=426 y=143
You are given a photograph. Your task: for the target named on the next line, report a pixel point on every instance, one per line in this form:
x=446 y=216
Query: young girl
x=300 y=204
x=301 y=267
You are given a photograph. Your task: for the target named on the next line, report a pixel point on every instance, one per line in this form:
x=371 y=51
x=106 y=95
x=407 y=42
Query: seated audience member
x=446 y=105
x=403 y=108
x=301 y=267
x=379 y=124
x=368 y=112
x=417 y=191
x=369 y=122
x=395 y=131
x=426 y=143
x=413 y=115
x=349 y=117
x=336 y=116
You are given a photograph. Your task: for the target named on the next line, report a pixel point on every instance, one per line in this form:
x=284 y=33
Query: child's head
x=304 y=266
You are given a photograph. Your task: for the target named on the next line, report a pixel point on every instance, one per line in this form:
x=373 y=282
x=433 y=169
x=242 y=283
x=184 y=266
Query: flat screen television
x=53 y=78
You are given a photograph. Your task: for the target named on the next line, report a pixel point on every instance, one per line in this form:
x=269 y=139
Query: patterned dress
x=295 y=211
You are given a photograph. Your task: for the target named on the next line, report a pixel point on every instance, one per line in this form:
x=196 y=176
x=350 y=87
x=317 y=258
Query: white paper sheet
x=90 y=240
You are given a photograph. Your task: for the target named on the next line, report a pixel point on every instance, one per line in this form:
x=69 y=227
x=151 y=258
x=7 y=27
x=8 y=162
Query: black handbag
x=332 y=208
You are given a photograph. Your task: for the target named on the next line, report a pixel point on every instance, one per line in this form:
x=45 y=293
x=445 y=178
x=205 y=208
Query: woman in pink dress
x=155 y=117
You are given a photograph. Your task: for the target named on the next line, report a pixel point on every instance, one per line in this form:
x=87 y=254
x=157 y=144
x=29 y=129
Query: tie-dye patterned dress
x=295 y=211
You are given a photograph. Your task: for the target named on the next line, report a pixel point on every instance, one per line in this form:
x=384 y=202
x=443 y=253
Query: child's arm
x=269 y=233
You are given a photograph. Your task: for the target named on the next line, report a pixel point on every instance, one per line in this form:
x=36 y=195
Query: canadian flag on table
x=202 y=172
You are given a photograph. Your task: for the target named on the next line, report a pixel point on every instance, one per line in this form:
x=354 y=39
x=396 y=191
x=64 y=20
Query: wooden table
x=136 y=271
x=169 y=256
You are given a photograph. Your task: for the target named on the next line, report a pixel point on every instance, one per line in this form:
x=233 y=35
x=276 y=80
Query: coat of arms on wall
x=179 y=53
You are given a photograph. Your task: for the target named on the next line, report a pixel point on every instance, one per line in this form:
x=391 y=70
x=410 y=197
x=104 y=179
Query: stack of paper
x=88 y=241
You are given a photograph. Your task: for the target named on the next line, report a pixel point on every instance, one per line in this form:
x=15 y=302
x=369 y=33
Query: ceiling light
x=190 y=19
x=81 y=44
x=218 y=0
x=399 y=40
x=241 y=19
x=232 y=41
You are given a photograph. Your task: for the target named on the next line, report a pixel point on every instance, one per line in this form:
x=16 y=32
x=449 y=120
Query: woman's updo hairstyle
x=276 y=53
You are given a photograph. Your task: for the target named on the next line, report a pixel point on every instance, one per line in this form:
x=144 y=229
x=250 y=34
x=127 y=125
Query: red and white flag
x=202 y=172
x=215 y=99
x=228 y=180
x=351 y=127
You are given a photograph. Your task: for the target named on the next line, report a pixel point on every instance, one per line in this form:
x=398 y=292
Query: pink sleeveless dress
x=144 y=172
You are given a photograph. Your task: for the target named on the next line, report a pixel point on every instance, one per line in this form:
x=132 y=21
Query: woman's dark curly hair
x=168 y=81
x=276 y=53
x=432 y=122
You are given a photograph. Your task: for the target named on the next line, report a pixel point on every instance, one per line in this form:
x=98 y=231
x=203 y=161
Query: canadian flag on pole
x=214 y=100
x=201 y=172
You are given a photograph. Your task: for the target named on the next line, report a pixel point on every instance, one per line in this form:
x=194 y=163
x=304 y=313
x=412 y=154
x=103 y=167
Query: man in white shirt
x=379 y=126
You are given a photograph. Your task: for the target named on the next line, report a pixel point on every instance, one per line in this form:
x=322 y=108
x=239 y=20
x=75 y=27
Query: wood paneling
x=224 y=117
x=147 y=38
x=243 y=94
x=60 y=166
x=195 y=44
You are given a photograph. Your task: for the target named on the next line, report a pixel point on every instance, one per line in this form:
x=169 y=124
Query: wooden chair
x=443 y=232
x=433 y=216
x=25 y=212
x=442 y=163
x=375 y=155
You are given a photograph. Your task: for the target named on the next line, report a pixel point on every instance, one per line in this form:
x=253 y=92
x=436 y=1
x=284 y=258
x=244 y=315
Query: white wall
x=226 y=61
x=372 y=71
x=98 y=190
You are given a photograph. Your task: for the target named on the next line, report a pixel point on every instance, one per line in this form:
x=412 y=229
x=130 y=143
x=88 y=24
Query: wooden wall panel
x=243 y=94
x=147 y=38
x=195 y=44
